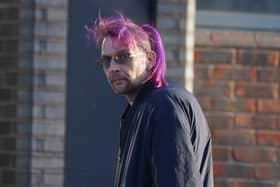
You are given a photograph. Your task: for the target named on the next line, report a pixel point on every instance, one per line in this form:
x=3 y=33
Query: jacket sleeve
x=173 y=161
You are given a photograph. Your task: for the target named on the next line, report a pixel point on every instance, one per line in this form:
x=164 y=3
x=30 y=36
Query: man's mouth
x=116 y=81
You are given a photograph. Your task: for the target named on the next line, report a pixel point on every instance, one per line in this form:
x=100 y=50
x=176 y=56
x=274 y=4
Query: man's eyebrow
x=123 y=51
x=117 y=53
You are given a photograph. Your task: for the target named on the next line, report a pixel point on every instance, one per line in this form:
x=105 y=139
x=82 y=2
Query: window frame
x=237 y=20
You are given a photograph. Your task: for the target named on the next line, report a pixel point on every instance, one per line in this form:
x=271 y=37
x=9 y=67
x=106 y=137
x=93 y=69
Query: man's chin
x=121 y=90
x=118 y=90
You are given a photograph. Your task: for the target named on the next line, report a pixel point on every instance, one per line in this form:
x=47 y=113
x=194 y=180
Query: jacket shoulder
x=169 y=93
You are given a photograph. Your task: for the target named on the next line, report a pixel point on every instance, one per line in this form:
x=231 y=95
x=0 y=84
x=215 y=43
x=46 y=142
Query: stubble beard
x=124 y=89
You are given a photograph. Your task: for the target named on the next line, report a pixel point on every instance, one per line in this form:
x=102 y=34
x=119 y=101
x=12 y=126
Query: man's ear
x=151 y=56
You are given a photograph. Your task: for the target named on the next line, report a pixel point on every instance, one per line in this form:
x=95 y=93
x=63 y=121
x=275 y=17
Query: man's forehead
x=113 y=45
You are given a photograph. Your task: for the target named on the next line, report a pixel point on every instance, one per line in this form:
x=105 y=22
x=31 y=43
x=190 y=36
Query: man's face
x=124 y=68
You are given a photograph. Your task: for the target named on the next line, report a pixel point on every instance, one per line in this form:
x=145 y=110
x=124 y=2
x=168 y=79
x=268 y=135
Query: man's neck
x=131 y=99
x=132 y=96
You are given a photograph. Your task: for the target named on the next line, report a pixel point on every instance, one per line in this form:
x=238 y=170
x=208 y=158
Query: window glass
x=248 y=6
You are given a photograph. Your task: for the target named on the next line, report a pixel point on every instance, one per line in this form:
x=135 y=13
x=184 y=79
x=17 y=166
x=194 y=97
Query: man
x=164 y=137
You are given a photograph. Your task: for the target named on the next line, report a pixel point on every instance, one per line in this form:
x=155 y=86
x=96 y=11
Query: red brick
x=233 y=105
x=202 y=37
x=269 y=75
x=256 y=121
x=218 y=169
x=258 y=58
x=202 y=73
x=243 y=121
x=220 y=104
x=233 y=170
x=221 y=153
x=220 y=120
x=255 y=154
x=214 y=56
x=273 y=58
x=251 y=105
x=223 y=72
x=242 y=183
x=256 y=90
x=268 y=105
x=253 y=73
x=235 y=73
x=268 y=40
x=268 y=138
x=206 y=103
x=233 y=137
x=210 y=88
x=231 y=38
x=220 y=183
x=267 y=172
x=278 y=156
x=249 y=115
x=278 y=92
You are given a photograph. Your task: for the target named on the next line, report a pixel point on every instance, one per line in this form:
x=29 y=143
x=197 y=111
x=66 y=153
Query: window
x=239 y=14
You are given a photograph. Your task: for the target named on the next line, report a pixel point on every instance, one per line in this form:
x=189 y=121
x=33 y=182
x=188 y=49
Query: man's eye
x=104 y=60
x=124 y=56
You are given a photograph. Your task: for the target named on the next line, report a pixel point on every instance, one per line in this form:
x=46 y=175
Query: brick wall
x=49 y=87
x=237 y=81
x=9 y=21
x=41 y=93
x=25 y=94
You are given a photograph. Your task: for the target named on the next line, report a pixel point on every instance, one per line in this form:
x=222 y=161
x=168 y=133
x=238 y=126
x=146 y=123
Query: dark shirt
x=164 y=141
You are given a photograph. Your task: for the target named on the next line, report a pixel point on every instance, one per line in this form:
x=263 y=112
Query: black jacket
x=164 y=141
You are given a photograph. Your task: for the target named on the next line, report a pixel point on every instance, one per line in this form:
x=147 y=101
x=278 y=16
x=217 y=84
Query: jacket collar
x=147 y=88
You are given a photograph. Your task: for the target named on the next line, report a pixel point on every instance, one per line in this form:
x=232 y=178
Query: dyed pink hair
x=129 y=33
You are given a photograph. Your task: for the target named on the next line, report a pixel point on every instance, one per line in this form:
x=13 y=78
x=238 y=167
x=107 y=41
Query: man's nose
x=113 y=65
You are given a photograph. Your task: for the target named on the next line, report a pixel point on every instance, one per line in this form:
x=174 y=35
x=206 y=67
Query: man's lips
x=114 y=81
x=116 y=78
